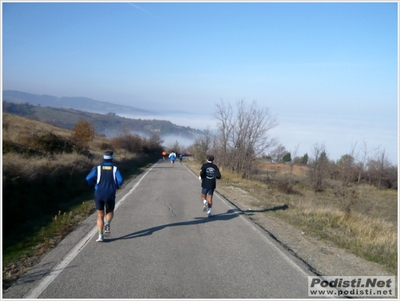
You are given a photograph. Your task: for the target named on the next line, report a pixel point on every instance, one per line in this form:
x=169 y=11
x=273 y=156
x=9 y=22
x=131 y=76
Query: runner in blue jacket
x=172 y=157
x=106 y=179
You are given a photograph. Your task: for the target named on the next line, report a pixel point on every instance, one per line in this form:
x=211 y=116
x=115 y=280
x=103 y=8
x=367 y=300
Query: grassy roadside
x=45 y=194
x=24 y=254
x=370 y=232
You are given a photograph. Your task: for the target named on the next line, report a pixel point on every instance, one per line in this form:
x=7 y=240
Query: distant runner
x=106 y=179
x=172 y=157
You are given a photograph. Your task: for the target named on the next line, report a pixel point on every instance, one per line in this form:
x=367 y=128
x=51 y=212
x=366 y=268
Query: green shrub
x=50 y=143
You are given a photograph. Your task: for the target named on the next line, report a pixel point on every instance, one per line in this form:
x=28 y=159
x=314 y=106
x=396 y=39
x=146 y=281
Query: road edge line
x=54 y=272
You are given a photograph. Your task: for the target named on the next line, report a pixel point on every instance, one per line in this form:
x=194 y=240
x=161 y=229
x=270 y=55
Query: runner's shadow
x=276 y=208
x=230 y=214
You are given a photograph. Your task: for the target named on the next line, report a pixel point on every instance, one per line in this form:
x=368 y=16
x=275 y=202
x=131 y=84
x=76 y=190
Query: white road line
x=258 y=231
x=267 y=240
x=49 y=278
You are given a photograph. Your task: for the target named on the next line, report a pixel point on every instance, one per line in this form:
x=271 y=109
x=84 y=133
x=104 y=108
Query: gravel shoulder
x=322 y=257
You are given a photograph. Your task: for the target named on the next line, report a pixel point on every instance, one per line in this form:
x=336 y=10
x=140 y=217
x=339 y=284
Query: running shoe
x=100 y=238
x=107 y=229
x=205 y=205
x=209 y=212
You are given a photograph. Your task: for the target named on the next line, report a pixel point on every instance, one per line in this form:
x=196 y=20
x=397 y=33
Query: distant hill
x=77 y=103
x=108 y=124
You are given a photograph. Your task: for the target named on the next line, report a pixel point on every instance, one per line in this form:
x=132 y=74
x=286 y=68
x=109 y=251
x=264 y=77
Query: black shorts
x=109 y=204
x=206 y=191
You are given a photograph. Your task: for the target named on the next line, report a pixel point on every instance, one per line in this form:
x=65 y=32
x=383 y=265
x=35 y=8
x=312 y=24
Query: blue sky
x=328 y=71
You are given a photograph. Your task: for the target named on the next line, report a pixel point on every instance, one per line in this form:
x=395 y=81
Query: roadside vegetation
x=351 y=202
x=45 y=194
x=369 y=231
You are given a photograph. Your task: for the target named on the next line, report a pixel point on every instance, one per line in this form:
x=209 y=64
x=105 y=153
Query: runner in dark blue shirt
x=208 y=174
x=106 y=179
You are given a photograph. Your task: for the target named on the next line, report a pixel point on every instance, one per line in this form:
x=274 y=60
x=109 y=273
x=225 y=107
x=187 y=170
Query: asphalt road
x=163 y=245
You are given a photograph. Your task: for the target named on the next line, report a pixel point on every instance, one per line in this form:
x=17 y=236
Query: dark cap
x=210 y=158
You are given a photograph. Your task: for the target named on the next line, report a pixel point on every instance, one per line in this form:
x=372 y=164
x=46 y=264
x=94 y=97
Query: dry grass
x=16 y=127
x=32 y=180
x=370 y=231
x=370 y=237
x=25 y=166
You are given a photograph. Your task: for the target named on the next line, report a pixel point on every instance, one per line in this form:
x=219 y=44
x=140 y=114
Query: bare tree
x=319 y=167
x=285 y=184
x=278 y=152
x=378 y=168
x=202 y=145
x=363 y=161
x=224 y=115
x=176 y=147
x=244 y=138
x=349 y=171
x=155 y=142
x=294 y=153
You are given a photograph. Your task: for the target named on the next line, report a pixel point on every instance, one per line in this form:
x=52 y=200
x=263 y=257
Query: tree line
x=243 y=136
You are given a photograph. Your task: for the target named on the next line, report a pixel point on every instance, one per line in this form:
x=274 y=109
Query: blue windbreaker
x=105 y=178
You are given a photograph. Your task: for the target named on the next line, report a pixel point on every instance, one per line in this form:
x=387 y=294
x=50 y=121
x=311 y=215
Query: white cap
x=108 y=155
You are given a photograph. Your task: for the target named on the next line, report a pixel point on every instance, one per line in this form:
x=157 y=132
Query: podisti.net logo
x=352 y=286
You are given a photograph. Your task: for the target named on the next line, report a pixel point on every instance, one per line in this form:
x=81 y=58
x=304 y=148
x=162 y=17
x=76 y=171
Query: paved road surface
x=163 y=245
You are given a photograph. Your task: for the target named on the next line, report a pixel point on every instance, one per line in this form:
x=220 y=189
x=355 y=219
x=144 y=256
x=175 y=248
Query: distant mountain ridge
x=108 y=124
x=77 y=103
